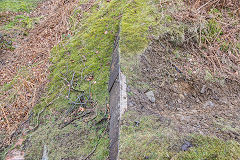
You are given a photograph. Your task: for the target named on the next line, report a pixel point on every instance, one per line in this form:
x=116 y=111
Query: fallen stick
x=39 y=114
x=72 y=120
x=95 y=147
x=5 y=116
x=70 y=85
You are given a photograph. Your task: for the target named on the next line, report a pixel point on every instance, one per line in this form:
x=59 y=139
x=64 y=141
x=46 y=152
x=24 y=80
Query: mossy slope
x=152 y=138
x=144 y=136
x=17 y=5
x=86 y=53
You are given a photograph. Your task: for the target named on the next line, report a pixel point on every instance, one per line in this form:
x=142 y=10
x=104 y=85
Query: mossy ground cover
x=153 y=139
x=146 y=136
x=17 y=5
x=15 y=20
x=14 y=14
x=86 y=54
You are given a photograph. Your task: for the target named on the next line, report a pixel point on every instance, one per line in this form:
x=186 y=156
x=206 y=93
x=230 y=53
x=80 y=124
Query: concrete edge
x=118 y=100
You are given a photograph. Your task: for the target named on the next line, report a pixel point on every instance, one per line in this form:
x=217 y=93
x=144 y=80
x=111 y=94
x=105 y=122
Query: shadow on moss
x=153 y=139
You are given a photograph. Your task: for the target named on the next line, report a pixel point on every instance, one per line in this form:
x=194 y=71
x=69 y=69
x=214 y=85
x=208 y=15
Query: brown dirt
x=32 y=54
x=190 y=103
x=196 y=85
x=232 y=4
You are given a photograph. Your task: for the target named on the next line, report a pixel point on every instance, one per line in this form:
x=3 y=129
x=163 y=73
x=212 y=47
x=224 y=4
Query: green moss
x=143 y=19
x=21 y=21
x=152 y=140
x=211 y=148
x=211 y=32
x=17 y=5
x=87 y=52
x=136 y=20
x=147 y=139
x=70 y=142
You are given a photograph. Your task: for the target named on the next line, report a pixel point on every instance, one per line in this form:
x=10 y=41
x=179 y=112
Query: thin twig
x=206 y=4
x=72 y=120
x=5 y=116
x=19 y=128
x=70 y=85
x=95 y=147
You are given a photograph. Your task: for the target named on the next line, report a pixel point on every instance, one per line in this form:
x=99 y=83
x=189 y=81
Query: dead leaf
x=19 y=142
x=81 y=109
x=15 y=155
x=90 y=78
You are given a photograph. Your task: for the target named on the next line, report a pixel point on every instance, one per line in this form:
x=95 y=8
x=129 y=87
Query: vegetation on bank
x=83 y=59
x=17 y=5
x=86 y=54
x=14 y=20
x=180 y=32
x=154 y=139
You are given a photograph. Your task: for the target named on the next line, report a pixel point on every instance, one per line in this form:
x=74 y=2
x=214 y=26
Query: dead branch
x=76 y=118
x=98 y=141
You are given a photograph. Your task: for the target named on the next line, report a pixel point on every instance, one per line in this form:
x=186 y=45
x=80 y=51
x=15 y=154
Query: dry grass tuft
x=217 y=29
x=207 y=4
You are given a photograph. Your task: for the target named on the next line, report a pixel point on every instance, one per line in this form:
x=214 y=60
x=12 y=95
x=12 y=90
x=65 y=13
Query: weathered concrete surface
x=123 y=94
x=114 y=90
x=118 y=101
x=114 y=121
x=118 y=105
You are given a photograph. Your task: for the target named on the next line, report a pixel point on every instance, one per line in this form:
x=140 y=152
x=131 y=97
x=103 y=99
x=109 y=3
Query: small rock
x=203 y=89
x=186 y=146
x=209 y=104
x=179 y=101
x=150 y=96
x=130 y=104
x=216 y=97
x=198 y=100
x=181 y=96
x=137 y=123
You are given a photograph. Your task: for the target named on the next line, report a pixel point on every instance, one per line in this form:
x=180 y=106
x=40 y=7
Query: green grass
x=87 y=52
x=21 y=21
x=152 y=139
x=135 y=23
x=17 y=23
x=211 y=32
x=211 y=148
x=17 y=5
x=69 y=142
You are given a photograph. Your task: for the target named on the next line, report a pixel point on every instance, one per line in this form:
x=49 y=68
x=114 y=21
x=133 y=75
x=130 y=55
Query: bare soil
x=190 y=103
